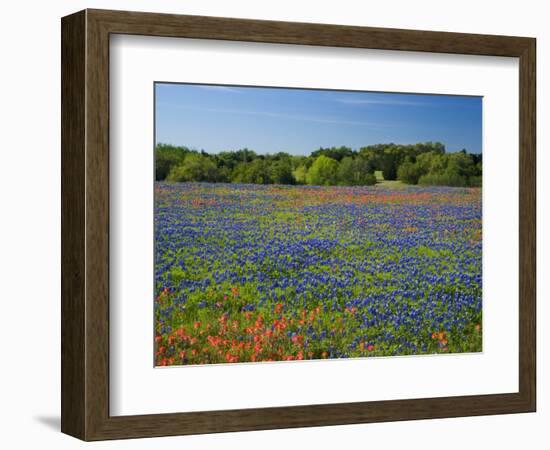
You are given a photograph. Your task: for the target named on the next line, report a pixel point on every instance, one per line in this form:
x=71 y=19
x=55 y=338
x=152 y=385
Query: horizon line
x=270 y=153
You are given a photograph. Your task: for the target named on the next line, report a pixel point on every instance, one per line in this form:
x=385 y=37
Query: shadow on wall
x=52 y=422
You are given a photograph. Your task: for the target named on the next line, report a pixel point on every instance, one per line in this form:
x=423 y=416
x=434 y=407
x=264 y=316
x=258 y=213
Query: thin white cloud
x=372 y=101
x=219 y=88
x=305 y=118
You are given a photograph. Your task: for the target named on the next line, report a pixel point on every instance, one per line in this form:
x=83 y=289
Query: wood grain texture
x=267 y=31
x=97 y=225
x=527 y=224
x=73 y=109
x=85 y=224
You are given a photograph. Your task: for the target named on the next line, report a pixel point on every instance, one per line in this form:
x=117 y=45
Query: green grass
x=390 y=184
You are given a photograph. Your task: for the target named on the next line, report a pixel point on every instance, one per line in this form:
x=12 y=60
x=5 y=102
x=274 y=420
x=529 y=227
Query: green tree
x=297 y=161
x=355 y=172
x=423 y=163
x=409 y=172
x=443 y=179
x=300 y=175
x=255 y=172
x=390 y=158
x=346 y=172
x=195 y=167
x=166 y=157
x=337 y=153
x=323 y=171
x=462 y=164
x=281 y=172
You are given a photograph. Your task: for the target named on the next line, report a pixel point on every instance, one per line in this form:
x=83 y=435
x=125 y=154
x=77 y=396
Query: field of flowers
x=269 y=273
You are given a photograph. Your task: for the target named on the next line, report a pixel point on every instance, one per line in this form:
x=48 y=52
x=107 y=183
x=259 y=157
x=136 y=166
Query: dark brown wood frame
x=85 y=224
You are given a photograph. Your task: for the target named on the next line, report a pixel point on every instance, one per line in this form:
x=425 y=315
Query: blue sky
x=299 y=121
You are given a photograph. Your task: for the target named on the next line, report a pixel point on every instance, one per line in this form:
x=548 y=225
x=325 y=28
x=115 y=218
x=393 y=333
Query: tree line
x=424 y=163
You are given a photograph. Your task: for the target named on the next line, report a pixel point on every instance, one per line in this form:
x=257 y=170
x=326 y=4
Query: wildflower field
x=269 y=273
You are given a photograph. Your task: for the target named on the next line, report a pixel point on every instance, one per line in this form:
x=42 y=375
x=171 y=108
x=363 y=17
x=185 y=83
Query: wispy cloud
x=219 y=88
x=279 y=115
x=381 y=101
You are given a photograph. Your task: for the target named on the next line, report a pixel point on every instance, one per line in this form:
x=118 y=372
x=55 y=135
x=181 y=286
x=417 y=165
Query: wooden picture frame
x=85 y=224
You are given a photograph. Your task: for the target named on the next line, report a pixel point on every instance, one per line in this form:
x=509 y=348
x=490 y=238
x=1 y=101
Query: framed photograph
x=272 y=225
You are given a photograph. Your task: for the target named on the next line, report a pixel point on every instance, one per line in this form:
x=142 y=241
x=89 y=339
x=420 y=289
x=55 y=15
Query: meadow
x=248 y=273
